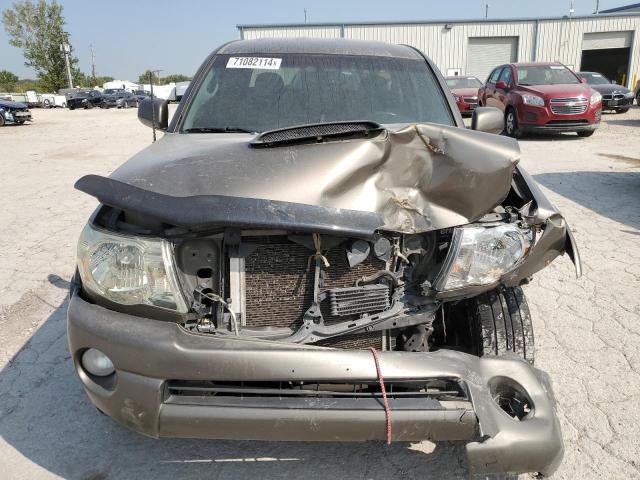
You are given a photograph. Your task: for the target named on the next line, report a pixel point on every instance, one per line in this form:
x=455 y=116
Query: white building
x=607 y=43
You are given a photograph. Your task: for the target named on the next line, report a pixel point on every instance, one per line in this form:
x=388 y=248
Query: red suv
x=545 y=97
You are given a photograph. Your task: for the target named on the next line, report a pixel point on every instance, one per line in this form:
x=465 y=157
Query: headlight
x=456 y=97
x=628 y=94
x=481 y=255
x=596 y=97
x=533 y=100
x=129 y=270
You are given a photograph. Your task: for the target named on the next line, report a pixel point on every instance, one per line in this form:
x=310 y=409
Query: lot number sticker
x=254 y=62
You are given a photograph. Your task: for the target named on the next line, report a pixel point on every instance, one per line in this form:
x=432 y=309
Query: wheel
x=585 y=134
x=72 y=107
x=2 y=120
x=64 y=104
x=638 y=97
x=511 y=127
x=47 y=103
x=498 y=322
x=622 y=110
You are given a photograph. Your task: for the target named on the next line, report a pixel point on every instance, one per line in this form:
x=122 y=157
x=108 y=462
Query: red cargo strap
x=385 y=401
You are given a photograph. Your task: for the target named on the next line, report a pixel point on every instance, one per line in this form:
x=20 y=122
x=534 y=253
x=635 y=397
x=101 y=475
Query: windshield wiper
x=218 y=130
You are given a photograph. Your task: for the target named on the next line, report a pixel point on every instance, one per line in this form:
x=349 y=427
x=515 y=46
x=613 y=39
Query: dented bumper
x=149 y=356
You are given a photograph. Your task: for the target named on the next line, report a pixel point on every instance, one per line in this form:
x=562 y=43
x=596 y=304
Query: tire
x=72 y=107
x=586 y=134
x=47 y=103
x=622 y=110
x=2 y=120
x=500 y=323
x=638 y=97
x=511 y=127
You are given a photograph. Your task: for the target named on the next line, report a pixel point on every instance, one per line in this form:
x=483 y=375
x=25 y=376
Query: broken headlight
x=129 y=270
x=480 y=255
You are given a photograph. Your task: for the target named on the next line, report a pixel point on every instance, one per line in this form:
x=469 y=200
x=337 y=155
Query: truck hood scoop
x=413 y=179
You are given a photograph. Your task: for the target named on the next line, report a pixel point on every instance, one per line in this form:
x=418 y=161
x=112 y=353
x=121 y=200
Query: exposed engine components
x=355 y=300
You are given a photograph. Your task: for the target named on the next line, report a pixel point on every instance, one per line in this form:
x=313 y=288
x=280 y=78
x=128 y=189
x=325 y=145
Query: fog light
x=97 y=363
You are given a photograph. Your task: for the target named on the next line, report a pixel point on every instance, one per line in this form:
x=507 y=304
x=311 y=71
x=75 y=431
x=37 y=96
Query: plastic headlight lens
x=481 y=255
x=596 y=97
x=129 y=270
x=534 y=100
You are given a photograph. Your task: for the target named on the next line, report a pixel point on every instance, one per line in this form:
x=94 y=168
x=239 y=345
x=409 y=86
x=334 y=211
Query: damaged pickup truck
x=318 y=249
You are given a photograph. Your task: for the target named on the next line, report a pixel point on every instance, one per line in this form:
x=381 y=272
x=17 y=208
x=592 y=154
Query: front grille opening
x=439 y=388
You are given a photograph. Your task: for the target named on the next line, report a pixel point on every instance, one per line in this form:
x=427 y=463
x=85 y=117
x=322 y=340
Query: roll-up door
x=605 y=40
x=485 y=53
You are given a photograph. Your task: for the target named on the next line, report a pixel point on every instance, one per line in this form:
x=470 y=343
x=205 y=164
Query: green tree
x=144 y=78
x=8 y=81
x=38 y=29
x=178 y=77
x=175 y=78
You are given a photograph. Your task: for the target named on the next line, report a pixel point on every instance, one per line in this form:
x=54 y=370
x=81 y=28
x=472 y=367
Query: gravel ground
x=587 y=330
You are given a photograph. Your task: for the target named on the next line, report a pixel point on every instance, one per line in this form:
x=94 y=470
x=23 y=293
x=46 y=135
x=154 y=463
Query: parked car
x=119 y=99
x=85 y=99
x=542 y=97
x=319 y=217
x=13 y=113
x=636 y=92
x=465 y=91
x=141 y=94
x=614 y=97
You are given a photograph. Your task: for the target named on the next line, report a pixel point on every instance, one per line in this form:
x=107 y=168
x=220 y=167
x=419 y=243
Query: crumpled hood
x=418 y=178
x=10 y=104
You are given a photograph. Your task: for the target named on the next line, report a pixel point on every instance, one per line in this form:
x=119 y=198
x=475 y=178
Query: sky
x=129 y=37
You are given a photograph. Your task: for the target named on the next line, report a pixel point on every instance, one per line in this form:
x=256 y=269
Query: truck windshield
x=242 y=93
x=546 y=75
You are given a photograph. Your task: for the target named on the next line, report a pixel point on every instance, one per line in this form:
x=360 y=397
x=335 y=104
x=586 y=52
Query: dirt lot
x=587 y=330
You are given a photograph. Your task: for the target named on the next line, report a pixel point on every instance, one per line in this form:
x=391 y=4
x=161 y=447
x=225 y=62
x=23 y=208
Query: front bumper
x=617 y=103
x=542 y=119
x=148 y=353
x=16 y=116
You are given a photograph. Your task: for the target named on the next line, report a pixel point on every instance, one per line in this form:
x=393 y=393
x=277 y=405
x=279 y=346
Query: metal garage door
x=606 y=40
x=485 y=53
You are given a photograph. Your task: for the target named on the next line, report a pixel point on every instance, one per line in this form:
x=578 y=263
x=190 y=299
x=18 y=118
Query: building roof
x=337 y=46
x=632 y=7
x=436 y=22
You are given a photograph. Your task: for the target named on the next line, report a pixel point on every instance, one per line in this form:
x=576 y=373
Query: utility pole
x=597 y=6
x=571 y=10
x=65 y=48
x=486 y=11
x=93 y=64
x=305 y=16
x=153 y=110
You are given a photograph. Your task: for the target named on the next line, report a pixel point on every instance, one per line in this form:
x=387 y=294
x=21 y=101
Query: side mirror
x=151 y=109
x=583 y=80
x=502 y=85
x=487 y=119
x=614 y=82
